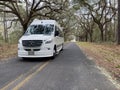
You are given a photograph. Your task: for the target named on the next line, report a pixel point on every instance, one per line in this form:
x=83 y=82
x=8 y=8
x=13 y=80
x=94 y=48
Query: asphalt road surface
x=70 y=70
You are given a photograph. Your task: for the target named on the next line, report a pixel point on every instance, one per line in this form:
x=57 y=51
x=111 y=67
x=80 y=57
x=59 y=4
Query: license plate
x=31 y=53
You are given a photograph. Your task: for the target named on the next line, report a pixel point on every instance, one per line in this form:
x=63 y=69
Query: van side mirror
x=56 y=33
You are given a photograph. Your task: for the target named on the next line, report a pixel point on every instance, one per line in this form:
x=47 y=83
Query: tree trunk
x=101 y=32
x=102 y=36
x=5 y=28
x=86 y=37
x=91 y=39
x=106 y=32
x=24 y=28
x=79 y=37
x=118 y=30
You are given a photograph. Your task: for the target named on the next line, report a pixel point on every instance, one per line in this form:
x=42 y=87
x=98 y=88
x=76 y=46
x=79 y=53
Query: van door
x=58 y=38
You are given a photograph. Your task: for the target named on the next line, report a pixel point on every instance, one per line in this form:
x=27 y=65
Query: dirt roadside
x=7 y=51
x=104 y=55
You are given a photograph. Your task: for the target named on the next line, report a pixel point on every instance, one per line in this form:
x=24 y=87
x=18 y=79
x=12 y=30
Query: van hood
x=35 y=37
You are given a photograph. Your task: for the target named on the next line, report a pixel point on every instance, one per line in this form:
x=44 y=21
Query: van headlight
x=48 y=41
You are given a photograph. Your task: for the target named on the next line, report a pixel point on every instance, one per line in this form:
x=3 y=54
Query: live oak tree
x=31 y=9
x=87 y=24
x=102 y=12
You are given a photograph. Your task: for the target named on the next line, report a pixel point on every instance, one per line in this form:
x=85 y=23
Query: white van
x=43 y=38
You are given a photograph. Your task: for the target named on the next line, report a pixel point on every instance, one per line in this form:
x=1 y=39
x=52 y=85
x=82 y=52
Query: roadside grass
x=104 y=55
x=7 y=51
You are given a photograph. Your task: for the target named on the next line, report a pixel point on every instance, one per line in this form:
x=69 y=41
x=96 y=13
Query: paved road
x=70 y=70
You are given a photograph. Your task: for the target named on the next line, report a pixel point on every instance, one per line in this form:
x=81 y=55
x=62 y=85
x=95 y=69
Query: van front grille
x=31 y=43
x=32 y=49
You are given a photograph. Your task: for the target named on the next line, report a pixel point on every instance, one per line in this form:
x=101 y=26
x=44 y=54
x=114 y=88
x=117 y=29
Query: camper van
x=43 y=38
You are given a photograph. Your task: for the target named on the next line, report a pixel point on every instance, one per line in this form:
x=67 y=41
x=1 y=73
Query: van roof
x=37 y=21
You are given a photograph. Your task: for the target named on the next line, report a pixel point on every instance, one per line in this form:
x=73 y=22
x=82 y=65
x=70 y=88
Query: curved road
x=70 y=70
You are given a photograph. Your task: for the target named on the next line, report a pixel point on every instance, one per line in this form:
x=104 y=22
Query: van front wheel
x=54 y=53
x=62 y=47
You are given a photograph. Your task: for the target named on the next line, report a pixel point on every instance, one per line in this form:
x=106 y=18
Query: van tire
x=62 y=48
x=54 y=53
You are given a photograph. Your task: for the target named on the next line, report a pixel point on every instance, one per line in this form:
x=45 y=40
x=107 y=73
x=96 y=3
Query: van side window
x=58 y=32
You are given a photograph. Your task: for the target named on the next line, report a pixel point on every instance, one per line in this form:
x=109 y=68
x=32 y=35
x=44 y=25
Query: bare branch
x=11 y=22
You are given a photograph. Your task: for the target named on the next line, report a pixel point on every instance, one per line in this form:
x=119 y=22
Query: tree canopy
x=29 y=10
x=88 y=20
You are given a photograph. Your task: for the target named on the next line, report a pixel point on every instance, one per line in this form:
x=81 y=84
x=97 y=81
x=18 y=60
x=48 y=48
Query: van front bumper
x=37 y=54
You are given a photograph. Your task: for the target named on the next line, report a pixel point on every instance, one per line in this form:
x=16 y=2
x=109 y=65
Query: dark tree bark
x=86 y=36
x=118 y=30
x=91 y=36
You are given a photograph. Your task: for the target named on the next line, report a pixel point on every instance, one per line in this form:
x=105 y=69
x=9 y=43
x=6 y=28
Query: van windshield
x=40 y=29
